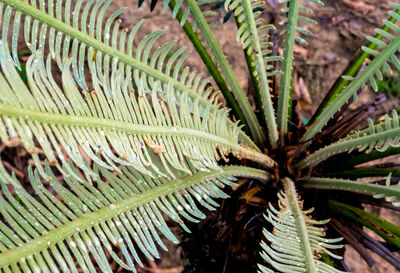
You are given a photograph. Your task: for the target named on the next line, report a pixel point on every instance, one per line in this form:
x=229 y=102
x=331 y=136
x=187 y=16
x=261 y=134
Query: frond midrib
x=93 y=218
x=126 y=127
x=302 y=230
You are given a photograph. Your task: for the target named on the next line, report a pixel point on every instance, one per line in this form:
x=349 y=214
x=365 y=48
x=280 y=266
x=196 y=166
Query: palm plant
x=128 y=136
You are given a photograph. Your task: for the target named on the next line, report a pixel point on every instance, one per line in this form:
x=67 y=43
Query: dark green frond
x=383 y=57
x=378 y=136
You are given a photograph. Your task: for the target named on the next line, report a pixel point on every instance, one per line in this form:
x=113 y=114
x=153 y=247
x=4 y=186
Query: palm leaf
x=116 y=127
x=87 y=36
x=70 y=222
x=296 y=241
x=293 y=19
x=384 y=57
x=253 y=35
x=354 y=66
x=378 y=136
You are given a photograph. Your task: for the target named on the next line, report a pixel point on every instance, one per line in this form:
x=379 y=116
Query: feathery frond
x=391 y=194
x=253 y=35
x=384 y=56
x=70 y=221
x=87 y=36
x=121 y=126
x=378 y=136
x=293 y=9
x=296 y=241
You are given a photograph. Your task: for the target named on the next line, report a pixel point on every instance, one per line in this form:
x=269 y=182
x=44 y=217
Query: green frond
x=296 y=241
x=132 y=127
x=378 y=136
x=383 y=57
x=354 y=67
x=391 y=194
x=73 y=226
x=293 y=19
x=253 y=35
x=87 y=36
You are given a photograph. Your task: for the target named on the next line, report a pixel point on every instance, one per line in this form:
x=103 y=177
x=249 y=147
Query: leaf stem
x=365 y=172
x=348 y=162
x=383 y=228
x=248 y=55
